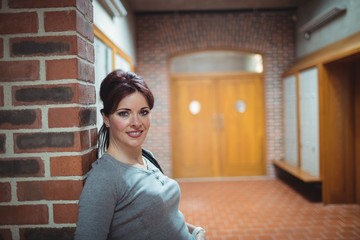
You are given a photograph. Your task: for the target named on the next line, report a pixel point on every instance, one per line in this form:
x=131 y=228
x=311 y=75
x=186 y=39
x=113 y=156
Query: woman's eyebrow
x=122 y=109
x=128 y=109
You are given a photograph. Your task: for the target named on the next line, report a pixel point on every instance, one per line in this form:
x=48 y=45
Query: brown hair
x=116 y=86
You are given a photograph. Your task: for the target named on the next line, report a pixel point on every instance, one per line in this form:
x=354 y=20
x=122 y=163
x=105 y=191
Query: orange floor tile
x=265 y=210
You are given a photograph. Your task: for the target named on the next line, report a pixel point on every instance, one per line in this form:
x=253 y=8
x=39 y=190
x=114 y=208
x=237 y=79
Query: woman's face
x=130 y=123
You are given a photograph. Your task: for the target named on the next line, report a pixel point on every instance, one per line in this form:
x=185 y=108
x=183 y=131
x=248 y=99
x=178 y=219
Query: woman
x=125 y=195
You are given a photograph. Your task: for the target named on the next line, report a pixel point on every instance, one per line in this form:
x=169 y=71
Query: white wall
x=339 y=28
x=121 y=30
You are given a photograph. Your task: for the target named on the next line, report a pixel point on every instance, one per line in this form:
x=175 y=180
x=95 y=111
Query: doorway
x=340 y=130
x=218 y=125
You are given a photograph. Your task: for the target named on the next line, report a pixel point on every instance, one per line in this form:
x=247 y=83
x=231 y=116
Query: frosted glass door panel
x=290 y=118
x=309 y=121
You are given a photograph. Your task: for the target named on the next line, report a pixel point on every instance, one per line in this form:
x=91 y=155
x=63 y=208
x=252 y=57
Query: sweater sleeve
x=96 y=205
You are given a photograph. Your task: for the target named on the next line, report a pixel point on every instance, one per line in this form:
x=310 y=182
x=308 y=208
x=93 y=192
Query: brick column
x=47 y=115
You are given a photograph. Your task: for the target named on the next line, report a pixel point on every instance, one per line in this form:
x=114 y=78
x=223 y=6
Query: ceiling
x=148 y=6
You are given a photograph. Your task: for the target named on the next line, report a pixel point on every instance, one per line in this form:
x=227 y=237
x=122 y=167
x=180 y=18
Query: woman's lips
x=135 y=134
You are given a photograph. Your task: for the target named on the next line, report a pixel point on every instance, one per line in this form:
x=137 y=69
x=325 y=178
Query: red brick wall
x=47 y=115
x=160 y=36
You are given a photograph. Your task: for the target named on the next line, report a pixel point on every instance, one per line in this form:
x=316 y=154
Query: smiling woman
x=126 y=195
x=129 y=124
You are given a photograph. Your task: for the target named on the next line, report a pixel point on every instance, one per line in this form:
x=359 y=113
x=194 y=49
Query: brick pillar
x=47 y=115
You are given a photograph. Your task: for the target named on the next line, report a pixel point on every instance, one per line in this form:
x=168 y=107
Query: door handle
x=221 y=121
x=214 y=120
x=218 y=121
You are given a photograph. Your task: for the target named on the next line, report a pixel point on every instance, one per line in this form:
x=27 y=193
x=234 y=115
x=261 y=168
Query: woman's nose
x=135 y=120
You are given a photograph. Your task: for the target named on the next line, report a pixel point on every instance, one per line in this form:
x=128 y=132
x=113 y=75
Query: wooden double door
x=218 y=126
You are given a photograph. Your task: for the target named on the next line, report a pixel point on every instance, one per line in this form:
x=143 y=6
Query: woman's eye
x=144 y=112
x=123 y=114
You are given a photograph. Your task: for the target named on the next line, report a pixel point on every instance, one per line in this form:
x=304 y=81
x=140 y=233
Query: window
x=217 y=61
x=108 y=57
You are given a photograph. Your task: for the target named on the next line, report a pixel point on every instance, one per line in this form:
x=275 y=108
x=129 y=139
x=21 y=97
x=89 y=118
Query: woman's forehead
x=133 y=100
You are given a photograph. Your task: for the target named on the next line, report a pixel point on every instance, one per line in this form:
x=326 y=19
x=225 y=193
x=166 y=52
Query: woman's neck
x=132 y=156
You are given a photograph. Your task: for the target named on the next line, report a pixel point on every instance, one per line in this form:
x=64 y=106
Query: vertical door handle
x=214 y=119
x=221 y=121
x=218 y=121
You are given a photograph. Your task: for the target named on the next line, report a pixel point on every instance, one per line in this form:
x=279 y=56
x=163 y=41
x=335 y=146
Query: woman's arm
x=96 y=207
x=197 y=232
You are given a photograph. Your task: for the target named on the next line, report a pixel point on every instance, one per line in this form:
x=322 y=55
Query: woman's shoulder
x=104 y=160
x=105 y=174
x=105 y=165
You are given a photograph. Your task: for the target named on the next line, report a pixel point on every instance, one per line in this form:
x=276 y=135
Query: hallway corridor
x=264 y=210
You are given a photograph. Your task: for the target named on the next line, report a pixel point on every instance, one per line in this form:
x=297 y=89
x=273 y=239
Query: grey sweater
x=120 y=201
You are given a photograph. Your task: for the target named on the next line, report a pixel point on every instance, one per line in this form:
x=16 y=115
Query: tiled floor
x=265 y=209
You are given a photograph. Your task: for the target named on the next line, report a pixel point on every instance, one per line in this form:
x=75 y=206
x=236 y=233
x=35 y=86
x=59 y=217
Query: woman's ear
x=105 y=119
